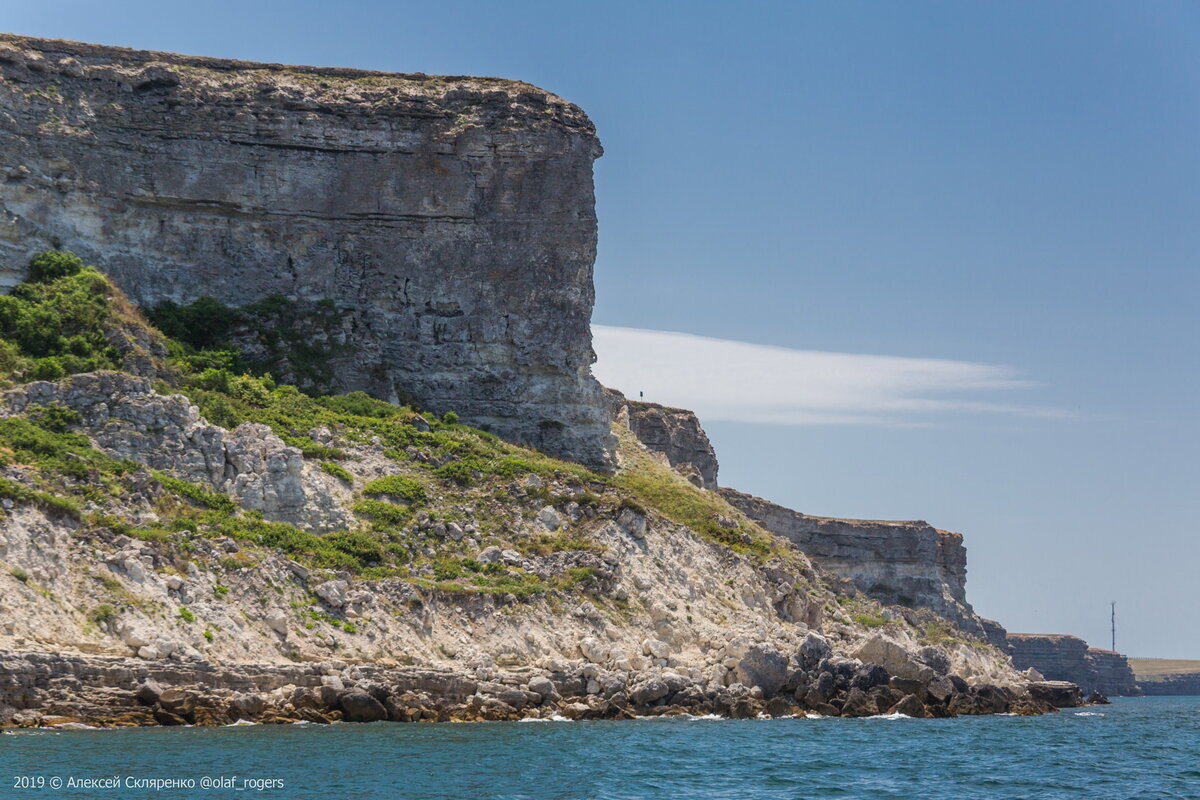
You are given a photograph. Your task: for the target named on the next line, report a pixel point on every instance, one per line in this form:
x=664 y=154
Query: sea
x=1135 y=748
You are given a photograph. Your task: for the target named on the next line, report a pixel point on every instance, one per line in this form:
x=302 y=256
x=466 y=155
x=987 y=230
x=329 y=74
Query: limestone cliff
x=909 y=563
x=1068 y=658
x=448 y=220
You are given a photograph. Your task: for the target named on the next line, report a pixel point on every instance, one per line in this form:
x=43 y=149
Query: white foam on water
x=815 y=716
x=551 y=718
x=1088 y=714
x=897 y=715
x=244 y=722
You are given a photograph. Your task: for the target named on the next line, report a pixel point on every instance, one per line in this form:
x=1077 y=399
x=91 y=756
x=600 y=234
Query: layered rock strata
x=905 y=563
x=1068 y=658
x=449 y=221
x=674 y=433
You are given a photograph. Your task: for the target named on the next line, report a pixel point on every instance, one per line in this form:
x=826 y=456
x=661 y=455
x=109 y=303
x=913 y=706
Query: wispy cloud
x=736 y=381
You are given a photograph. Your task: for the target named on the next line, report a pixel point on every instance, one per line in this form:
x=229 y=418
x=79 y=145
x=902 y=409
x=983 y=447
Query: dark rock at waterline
x=1060 y=694
x=358 y=706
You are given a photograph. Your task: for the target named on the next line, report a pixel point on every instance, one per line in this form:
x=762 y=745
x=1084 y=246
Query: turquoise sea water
x=1135 y=748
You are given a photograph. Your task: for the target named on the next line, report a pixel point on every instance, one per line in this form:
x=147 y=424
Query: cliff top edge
x=228 y=75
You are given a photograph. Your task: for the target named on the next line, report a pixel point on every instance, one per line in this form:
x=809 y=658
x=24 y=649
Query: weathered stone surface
x=1060 y=657
x=450 y=222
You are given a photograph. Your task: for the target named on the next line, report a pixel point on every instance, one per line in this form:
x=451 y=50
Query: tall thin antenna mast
x=1114 y=626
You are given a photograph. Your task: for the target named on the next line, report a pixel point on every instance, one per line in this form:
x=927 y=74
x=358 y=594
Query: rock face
x=1068 y=658
x=449 y=222
x=908 y=563
x=673 y=432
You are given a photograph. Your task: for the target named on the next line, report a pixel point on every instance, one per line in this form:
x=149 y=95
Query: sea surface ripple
x=1141 y=748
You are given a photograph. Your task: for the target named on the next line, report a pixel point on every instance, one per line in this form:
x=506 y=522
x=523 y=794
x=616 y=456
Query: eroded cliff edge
x=449 y=220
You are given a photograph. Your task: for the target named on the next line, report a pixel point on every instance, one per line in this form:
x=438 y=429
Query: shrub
x=209 y=635
x=52 y=265
x=350 y=627
x=337 y=471
x=186 y=615
x=197 y=494
x=450 y=418
x=399 y=487
x=460 y=472
x=102 y=614
x=55 y=418
x=19 y=574
x=220 y=591
x=383 y=513
x=360 y=404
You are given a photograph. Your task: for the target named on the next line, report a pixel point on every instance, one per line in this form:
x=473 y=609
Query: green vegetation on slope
x=450 y=490
x=67 y=318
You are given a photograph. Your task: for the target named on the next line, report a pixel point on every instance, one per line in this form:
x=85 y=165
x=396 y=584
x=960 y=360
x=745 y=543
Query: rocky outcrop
x=674 y=433
x=1060 y=657
x=58 y=690
x=253 y=466
x=447 y=222
x=904 y=563
x=1114 y=676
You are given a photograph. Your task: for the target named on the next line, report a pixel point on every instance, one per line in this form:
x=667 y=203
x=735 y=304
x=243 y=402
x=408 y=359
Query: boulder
x=656 y=648
x=277 y=621
x=551 y=520
x=894 y=657
x=813 y=649
x=514 y=697
x=544 y=687
x=148 y=693
x=859 y=704
x=358 y=706
x=910 y=706
x=1060 y=694
x=333 y=593
x=763 y=666
x=868 y=676
x=647 y=692
x=940 y=689
x=249 y=705
x=178 y=701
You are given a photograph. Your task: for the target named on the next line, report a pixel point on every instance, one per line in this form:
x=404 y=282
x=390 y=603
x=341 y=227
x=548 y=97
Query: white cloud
x=724 y=380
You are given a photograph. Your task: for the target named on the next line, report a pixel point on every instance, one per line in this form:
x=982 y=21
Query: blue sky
x=1000 y=199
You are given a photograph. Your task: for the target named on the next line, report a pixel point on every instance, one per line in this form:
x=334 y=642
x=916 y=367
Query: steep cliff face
x=675 y=433
x=910 y=563
x=1068 y=658
x=449 y=221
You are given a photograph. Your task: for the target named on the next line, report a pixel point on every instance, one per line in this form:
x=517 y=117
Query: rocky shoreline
x=69 y=691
